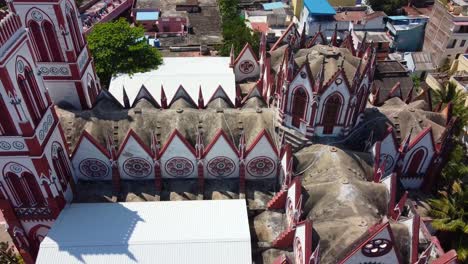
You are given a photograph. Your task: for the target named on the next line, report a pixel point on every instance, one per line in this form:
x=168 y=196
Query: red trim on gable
x=132 y=133
x=222 y=89
x=258 y=138
x=246 y=47
x=220 y=133
x=93 y=141
x=278 y=42
x=420 y=136
x=182 y=138
x=415 y=239
x=374 y=231
x=309 y=76
x=252 y=90
x=191 y=101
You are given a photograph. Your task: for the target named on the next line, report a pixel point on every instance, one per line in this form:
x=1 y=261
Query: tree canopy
x=8 y=254
x=390 y=7
x=235 y=33
x=119 y=48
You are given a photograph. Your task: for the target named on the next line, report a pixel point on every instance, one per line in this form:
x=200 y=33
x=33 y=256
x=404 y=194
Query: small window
x=462 y=43
x=451 y=44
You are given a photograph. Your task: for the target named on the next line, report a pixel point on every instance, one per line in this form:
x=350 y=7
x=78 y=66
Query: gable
x=178 y=159
x=134 y=161
x=246 y=65
x=182 y=93
x=389 y=152
x=144 y=94
x=293 y=202
x=220 y=93
x=302 y=243
x=89 y=162
x=261 y=160
x=221 y=160
x=378 y=248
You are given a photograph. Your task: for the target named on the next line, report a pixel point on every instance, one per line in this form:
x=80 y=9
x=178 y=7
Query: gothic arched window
x=299 y=106
x=415 y=162
x=39 y=41
x=28 y=99
x=75 y=31
x=52 y=40
x=331 y=113
x=25 y=189
x=36 y=92
x=60 y=164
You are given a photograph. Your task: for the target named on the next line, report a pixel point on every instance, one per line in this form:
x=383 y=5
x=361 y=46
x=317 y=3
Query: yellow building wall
x=297 y=5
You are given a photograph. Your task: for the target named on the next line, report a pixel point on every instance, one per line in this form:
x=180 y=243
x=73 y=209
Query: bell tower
x=58 y=43
x=36 y=178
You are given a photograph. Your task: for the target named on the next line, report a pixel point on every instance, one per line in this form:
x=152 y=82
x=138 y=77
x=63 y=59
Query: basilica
x=288 y=115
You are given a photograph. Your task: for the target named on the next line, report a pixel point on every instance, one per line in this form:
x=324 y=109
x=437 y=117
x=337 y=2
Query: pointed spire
x=362 y=45
x=405 y=146
x=199 y=146
x=334 y=37
x=303 y=37
x=201 y=103
x=242 y=147
x=291 y=63
x=409 y=97
x=399 y=207
x=126 y=101
x=155 y=148
x=320 y=76
x=163 y=98
x=231 y=55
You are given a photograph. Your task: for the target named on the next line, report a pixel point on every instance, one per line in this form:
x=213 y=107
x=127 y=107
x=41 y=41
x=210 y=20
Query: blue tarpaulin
x=274 y=5
x=142 y=16
x=319 y=7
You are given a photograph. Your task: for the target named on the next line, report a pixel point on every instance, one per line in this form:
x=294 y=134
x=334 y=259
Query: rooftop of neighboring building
x=457 y=8
x=423 y=61
x=319 y=7
x=390 y=67
x=358 y=15
x=338 y=3
x=415 y=11
x=376 y=37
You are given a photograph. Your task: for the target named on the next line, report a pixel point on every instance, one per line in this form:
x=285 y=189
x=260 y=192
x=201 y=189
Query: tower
x=36 y=175
x=58 y=43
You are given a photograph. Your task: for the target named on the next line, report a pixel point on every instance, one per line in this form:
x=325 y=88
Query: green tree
x=450 y=93
x=450 y=213
x=235 y=33
x=456 y=167
x=119 y=48
x=8 y=255
x=390 y=7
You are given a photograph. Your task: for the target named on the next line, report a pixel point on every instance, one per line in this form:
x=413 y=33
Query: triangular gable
x=85 y=136
x=246 y=64
x=378 y=246
x=145 y=94
x=246 y=52
x=220 y=135
x=304 y=76
x=339 y=74
x=294 y=202
x=106 y=95
x=133 y=138
x=290 y=36
x=427 y=132
x=220 y=93
x=303 y=243
x=176 y=135
x=263 y=135
x=182 y=93
x=254 y=92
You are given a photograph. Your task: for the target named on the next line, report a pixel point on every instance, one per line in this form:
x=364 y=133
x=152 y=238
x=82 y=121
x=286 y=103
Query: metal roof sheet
x=274 y=5
x=171 y=232
x=319 y=7
x=142 y=16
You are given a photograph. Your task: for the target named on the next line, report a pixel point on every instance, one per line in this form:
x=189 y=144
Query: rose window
x=93 y=168
x=221 y=166
x=261 y=166
x=179 y=167
x=137 y=167
x=246 y=67
x=376 y=248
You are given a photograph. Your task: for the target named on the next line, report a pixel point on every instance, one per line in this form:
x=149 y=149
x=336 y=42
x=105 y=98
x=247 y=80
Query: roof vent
x=259 y=110
x=180 y=110
x=137 y=111
x=332 y=149
x=219 y=110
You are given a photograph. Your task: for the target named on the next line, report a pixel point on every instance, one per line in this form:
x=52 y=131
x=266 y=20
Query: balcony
x=103 y=11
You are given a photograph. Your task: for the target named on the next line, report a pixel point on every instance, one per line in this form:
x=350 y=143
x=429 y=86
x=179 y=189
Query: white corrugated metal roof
x=150 y=232
x=192 y=73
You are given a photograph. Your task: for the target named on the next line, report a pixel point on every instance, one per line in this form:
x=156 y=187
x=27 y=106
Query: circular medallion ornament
x=20 y=66
x=18 y=145
x=246 y=66
x=338 y=81
x=298 y=251
x=137 y=167
x=36 y=15
x=93 y=168
x=64 y=70
x=221 y=166
x=303 y=75
x=179 y=167
x=16 y=168
x=260 y=166
x=5 y=145
x=388 y=161
x=376 y=248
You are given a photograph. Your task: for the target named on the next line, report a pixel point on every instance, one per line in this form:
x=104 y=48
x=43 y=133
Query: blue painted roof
x=398 y=17
x=319 y=7
x=274 y=5
x=141 y=16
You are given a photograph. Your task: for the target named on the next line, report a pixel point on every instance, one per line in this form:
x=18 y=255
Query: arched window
x=415 y=162
x=38 y=40
x=52 y=40
x=75 y=31
x=7 y=128
x=60 y=164
x=92 y=92
x=36 y=92
x=331 y=113
x=25 y=190
x=299 y=106
x=29 y=100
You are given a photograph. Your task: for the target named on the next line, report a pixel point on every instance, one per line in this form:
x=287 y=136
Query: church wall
x=221 y=161
x=246 y=66
x=90 y=163
x=29 y=225
x=178 y=161
x=134 y=162
x=427 y=144
x=261 y=161
x=390 y=153
x=63 y=92
x=299 y=243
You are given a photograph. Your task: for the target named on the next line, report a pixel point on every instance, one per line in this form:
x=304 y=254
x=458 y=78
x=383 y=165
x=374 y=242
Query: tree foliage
x=390 y=7
x=450 y=212
x=119 y=48
x=450 y=93
x=235 y=32
x=8 y=254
